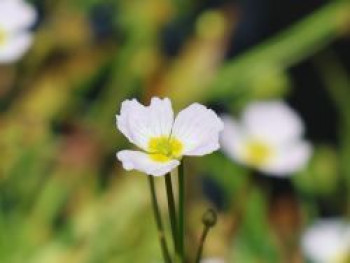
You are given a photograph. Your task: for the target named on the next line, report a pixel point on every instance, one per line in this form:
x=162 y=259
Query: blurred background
x=63 y=195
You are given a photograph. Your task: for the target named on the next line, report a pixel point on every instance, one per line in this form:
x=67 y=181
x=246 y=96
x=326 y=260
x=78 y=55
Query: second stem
x=172 y=211
x=181 y=212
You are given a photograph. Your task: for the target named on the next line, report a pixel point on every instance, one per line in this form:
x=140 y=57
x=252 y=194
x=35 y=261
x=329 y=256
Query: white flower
x=267 y=138
x=327 y=241
x=163 y=140
x=16 y=17
x=212 y=260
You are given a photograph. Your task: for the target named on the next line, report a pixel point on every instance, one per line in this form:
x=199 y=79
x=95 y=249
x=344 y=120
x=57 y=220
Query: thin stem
x=158 y=220
x=181 y=212
x=172 y=210
x=209 y=219
x=201 y=243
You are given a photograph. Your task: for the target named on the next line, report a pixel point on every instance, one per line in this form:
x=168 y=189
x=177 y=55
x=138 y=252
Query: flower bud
x=209 y=218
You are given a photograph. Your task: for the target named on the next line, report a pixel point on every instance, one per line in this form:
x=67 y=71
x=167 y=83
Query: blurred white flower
x=212 y=260
x=267 y=138
x=16 y=17
x=163 y=140
x=327 y=241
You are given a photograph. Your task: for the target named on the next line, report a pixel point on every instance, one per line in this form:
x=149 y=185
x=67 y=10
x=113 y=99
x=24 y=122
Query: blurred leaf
x=289 y=47
x=231 y=177
x=254 y=241
x=322 y=175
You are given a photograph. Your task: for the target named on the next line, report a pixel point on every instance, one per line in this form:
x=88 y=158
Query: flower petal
x=212 y=260
x=198 y=128
x=15 y=47
x=140 y=161
x=326 y=240
x=273 y=121
x=289 y=159
x=232 y=139
x=16 y=15
x=140 y=123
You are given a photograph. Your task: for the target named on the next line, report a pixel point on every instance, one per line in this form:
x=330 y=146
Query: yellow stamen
x=342 y=258
x=163 y=149
x=257 y=153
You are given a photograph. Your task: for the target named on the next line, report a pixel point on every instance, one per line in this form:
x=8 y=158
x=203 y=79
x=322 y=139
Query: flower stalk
x=209 y=220
x=181 y=237
x=161 y=235
x=172 y=211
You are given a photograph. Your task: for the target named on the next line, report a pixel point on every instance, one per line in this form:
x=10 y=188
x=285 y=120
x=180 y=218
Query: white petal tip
x=140 y=161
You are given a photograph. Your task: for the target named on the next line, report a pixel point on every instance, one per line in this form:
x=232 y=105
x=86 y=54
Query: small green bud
x=209 y=218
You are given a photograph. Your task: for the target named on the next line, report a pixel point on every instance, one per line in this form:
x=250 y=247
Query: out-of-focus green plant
x=322 y=176
x=255 y=242
x=284 y=50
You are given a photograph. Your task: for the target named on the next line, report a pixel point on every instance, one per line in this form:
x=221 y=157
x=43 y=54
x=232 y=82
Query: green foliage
x=254 y=241
x=322 y=176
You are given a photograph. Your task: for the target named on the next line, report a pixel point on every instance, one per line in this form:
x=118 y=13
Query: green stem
x=209 y=219
x=158 y=220
x=181 y=232
x=172 y=210
x=201 y=243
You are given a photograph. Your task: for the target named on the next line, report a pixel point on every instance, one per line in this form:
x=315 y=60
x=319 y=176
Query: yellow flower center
x=163 y=148
x=342 y=258
x=3 y=37
x=257 y=153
